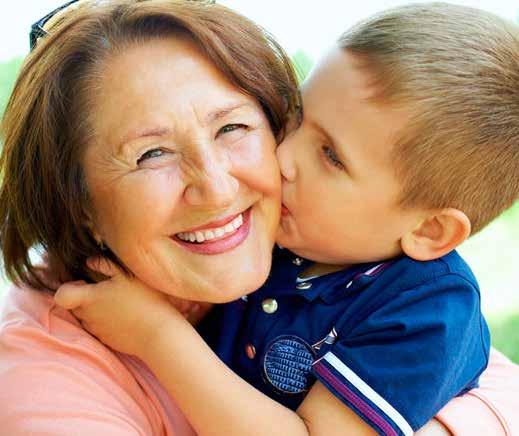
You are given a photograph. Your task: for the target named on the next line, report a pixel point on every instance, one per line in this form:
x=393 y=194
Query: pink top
x=56 y=379
x=493 y=408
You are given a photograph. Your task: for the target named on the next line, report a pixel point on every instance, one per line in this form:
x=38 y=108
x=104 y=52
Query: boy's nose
x=286 y=160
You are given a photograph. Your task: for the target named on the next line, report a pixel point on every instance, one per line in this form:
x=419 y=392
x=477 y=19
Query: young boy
x=371 y=322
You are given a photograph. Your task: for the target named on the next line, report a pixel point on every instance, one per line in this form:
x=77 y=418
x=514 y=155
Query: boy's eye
x=150 y=154
x=230 y=128
x=331 y=157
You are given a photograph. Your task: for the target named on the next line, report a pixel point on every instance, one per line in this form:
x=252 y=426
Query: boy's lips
x=284 y=210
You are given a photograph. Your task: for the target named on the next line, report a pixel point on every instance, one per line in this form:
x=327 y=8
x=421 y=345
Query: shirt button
x=269 y=305
x=250 y=350
x=297 y=261
x=303 y=286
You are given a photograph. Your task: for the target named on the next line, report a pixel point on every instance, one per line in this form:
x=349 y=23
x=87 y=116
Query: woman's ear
x=437 y=235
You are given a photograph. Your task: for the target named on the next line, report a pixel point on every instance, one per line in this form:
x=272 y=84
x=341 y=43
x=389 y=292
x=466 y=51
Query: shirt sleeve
x=48 y=398
x=407 y=358
x=495 y=402
x=57 y=380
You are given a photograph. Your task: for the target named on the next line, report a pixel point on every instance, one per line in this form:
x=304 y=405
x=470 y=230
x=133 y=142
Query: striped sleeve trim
x=351 y=389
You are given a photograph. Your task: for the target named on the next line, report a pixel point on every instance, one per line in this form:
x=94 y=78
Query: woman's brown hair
x=45 y=129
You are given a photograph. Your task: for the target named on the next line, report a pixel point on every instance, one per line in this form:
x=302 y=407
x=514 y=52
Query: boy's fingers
x=73 y=295
x=103 y=266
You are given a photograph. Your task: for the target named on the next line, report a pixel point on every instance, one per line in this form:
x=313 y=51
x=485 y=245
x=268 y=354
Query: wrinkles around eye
x=230 y=128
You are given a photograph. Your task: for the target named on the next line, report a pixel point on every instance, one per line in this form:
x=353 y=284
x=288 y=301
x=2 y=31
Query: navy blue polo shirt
x=394 y=341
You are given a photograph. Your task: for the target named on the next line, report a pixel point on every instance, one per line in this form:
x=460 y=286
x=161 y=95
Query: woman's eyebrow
x=224 y=111
x=142 y=133
x=164 y=131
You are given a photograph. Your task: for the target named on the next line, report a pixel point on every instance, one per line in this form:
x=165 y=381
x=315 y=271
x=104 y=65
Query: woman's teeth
x=208 y=234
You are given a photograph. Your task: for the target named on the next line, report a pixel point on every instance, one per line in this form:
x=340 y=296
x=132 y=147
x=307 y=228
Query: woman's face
x=182 y=175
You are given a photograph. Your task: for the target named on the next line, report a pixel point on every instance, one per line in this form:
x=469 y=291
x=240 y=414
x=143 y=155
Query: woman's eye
x=331 y=157
x=230 y=128
x=150 y=154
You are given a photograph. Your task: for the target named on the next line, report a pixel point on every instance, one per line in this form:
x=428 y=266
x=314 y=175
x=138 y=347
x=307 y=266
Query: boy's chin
x=286 y=242
x=285 y=234
x=282 y=238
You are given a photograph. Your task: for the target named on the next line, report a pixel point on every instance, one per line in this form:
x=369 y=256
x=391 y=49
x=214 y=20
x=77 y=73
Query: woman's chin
x=235 y=288
x=237 y=292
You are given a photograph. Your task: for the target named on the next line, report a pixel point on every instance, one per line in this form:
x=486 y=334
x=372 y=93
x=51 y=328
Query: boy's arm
x=213 y=398
x=321 y=411
x=217 y=401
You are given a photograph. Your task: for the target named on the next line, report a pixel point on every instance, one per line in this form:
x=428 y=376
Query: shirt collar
x=287 y=267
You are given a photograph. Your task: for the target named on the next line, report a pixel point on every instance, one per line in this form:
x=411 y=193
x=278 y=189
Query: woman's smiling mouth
x=212 y=233
x=218 y=237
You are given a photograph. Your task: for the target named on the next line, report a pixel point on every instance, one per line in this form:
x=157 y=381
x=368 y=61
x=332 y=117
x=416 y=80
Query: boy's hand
x=122 y=311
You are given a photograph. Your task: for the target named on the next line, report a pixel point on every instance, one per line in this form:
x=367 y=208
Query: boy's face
x=340 y=190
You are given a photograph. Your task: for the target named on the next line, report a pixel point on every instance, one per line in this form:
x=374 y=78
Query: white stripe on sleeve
x=369 y=393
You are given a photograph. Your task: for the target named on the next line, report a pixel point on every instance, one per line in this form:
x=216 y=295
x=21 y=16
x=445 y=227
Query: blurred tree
x=505 y=335
x=8 y=74
x=303 y=64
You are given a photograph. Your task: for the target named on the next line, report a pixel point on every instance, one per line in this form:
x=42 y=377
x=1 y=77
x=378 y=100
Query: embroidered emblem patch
x=287 y=365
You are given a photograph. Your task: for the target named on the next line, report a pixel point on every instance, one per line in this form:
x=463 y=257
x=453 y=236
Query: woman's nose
x=285 y=158
x=213 y=185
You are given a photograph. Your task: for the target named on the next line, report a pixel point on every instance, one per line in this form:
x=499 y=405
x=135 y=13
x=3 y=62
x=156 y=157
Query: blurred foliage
x=302 y=63
x=8 y=73
x=505 y=335
x=511 y=218
x=489 y=266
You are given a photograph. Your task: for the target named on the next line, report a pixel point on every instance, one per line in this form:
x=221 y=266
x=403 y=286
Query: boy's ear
x=437 y=235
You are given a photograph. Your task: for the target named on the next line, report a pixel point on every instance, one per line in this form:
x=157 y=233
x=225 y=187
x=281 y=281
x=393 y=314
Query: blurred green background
x=492 y=253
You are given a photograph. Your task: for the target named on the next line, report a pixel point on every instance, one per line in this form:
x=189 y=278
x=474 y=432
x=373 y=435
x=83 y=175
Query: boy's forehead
x=342 y=75
x=339 y=98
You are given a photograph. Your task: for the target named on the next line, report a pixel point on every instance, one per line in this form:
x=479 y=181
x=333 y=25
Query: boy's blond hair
x=457 y=70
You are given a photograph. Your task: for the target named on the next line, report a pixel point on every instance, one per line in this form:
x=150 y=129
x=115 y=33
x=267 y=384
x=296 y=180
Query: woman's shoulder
x=56 y=377
x=30 y=317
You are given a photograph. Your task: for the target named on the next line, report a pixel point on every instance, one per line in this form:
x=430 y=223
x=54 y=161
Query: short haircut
x=45 y=129
x=457 y=71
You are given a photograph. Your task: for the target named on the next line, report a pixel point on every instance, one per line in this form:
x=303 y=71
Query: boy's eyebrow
x=333 y=142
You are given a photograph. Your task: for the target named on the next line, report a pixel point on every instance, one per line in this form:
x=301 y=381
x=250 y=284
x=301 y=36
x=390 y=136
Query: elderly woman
x=111 y=87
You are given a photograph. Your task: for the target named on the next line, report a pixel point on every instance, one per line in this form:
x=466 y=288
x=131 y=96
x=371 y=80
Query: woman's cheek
x=145 y=197
x=254 y=161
